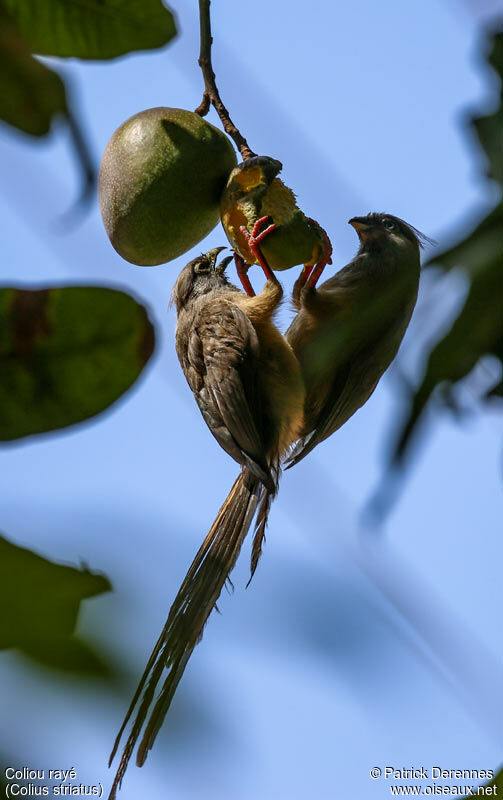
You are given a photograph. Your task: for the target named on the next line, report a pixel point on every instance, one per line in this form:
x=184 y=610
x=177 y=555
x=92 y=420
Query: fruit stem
x=211 y=94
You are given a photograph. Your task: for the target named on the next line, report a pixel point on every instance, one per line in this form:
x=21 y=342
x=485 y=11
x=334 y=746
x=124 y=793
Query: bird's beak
x=223 y=264
x=360 y=224
x=212 y=256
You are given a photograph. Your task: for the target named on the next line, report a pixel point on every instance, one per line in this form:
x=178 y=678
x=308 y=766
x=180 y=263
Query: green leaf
x=30 y=93
x=482 y=246
x=92 y=28
x=68 y=654
x=496 y=782
x=489 y=132
x=478 y=329
x=41 y=602
x=489 y=128
x=66 y=354
x=497 y=391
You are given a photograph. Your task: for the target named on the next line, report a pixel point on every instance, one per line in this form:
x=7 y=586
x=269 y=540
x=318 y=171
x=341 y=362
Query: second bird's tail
x=191 y=608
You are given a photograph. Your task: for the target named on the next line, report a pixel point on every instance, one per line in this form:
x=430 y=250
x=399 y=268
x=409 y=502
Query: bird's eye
x=202 y=266
x=389 y=224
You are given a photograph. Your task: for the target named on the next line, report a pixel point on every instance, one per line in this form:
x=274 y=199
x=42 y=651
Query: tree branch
x=211 y=94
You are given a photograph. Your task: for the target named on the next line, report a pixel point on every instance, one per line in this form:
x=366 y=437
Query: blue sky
x=347 y=651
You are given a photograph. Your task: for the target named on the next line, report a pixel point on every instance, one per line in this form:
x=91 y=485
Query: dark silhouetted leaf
x=482 y=245
x=30 y=93
x=497 y=391
x=68 y=654
x=478 y=329
x=40 y=603
x=489 y=129
x=66 y=354
x=489 y=132
x=94 y=28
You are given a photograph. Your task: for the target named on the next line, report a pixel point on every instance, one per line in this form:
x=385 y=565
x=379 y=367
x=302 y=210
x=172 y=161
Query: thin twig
x=211 y=94
x=88 y=169
x=204 y=107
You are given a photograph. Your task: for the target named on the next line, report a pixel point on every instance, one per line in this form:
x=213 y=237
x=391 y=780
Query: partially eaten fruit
x=253 y=191
x=160 y=182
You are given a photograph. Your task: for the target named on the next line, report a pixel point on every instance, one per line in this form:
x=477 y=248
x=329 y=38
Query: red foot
x=242 y=271
x=325 y=258
x=254 y=240
x=258 y=236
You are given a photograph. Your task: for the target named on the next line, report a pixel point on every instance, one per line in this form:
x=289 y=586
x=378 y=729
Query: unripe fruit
x=253 y=191
x=160 y=182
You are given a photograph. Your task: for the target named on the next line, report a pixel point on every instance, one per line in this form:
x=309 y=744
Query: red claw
x=254 y=240
x=258 y=235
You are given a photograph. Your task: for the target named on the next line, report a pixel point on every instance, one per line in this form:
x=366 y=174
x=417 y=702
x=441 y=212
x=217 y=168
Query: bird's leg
x=261 y=308
x=242 y=270
x=325 y=257
x=311 y=271
x=301 y=282
x=254 y=239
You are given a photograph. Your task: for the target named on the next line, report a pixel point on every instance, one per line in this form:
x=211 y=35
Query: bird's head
x=383 y=231
x=200 y=276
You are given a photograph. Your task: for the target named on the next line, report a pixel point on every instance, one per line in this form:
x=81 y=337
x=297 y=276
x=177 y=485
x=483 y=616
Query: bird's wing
x=220 y=364
x=339 y=301
x=353 y=382
x=364 y=324
x=348 y=393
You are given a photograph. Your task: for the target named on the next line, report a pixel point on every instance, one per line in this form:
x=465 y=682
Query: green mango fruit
x=160 y=182
x=253 y=191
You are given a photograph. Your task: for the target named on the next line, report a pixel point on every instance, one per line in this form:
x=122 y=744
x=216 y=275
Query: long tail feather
x=259 y=534
x=261 y=522
x=191 y=608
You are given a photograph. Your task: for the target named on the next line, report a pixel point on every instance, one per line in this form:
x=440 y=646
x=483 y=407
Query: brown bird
x=248 y=386
x=348 y=331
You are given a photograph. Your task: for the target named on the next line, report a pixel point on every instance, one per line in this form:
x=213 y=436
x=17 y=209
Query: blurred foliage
x=497 y=782
x=94 y=29
x=41 y=602
x=478 y=329
x=66 y=354
x=30 y=93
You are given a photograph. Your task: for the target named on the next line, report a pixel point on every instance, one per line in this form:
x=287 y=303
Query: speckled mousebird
x=348 y=330
x=248 y=386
